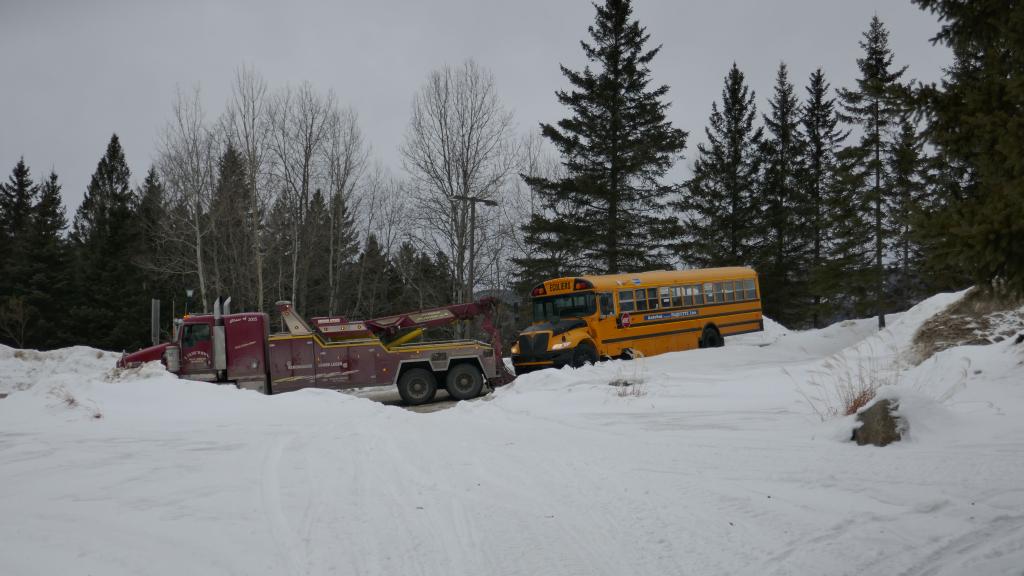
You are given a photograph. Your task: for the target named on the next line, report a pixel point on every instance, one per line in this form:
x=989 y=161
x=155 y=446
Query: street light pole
x=473 y=201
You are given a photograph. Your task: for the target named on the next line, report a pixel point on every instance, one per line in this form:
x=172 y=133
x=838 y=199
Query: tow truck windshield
x=565 y=306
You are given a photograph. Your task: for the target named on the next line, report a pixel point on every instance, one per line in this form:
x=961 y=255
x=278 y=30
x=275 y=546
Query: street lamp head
x=475 y=200
x=189 y=292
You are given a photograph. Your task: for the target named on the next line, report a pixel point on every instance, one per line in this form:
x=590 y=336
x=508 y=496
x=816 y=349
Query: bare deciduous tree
x=187 y=166
x=458 y=148
x=246 y=125
x=300 y=127
x=15 y=318
x=383 y=212
x=346 y=156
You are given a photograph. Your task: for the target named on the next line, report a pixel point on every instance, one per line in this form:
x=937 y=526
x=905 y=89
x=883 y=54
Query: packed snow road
x=703 y=462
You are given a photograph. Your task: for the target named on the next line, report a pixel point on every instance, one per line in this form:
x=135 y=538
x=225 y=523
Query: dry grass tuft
x=860 y=400
x=628 y=388
x=68 y=400
x=632 y=385
x=840 y=387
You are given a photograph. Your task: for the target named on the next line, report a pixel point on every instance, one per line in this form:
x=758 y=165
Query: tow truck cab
x=213 y=348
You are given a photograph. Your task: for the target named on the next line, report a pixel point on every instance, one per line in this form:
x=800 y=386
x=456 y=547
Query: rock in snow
x=879 y=425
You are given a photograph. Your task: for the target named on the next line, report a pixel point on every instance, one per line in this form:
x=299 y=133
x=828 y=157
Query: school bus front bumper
x=541 y=360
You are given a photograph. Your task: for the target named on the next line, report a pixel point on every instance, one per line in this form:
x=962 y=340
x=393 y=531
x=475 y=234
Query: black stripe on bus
x=643 y=336
x=745 y=332
x=687 y=318
x=738 y=323
x=685 y=330
x=688 y=306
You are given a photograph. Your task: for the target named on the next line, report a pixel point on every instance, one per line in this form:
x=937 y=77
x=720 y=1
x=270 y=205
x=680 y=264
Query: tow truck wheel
x=464 y=381
x=417 y=386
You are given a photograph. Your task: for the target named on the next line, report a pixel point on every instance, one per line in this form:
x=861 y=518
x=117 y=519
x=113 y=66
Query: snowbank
x=705 y=462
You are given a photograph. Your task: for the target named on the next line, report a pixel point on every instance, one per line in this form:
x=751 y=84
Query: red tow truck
x=334 y=352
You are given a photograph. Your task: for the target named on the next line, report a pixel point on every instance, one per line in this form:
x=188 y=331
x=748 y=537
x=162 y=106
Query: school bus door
x=606 y=326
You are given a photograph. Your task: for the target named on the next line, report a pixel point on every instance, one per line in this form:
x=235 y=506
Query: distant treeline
x=853 y=201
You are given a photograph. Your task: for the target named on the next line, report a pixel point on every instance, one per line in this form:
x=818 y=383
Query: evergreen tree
x=277 y=241
x=373 y=300
x=230 y=246
x=937 y=225
x=154 y=227
x=50 y=278
x=17 y=197
x=719 y=202
x=315 y=294
x=616 y=147
x=111 y=303
x=343 y=252
x=832 y=240
x=976 y=121
x=782 y=261
x=875 y=106
x=907 y=188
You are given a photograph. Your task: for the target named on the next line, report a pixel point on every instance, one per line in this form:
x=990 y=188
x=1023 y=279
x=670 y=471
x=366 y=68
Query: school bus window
x=750 y=289
x=698 y=297
x=607 y=309
x=719 y=292
x=727 y=291
x=677 y=296
x=665 y=297
x=738 y=287
x=709 y=293
x=626 y=300
x=641 y=299
x=564 y=306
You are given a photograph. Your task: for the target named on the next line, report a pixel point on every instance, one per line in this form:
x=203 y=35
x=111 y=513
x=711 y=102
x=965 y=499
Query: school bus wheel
x=711 y=337
x=584 y=354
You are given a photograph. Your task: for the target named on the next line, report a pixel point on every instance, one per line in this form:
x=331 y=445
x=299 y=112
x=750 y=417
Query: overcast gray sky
x=74 y=72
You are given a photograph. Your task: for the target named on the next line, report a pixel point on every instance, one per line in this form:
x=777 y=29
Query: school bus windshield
x=564 y=306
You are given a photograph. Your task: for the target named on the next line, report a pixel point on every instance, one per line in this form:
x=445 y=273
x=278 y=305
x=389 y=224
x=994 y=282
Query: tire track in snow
x=1001 y=538
x=280 y=531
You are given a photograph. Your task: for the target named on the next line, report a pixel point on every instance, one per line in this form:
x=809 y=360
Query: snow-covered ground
x=720 y=461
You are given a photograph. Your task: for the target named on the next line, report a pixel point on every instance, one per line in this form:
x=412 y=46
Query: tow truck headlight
x=515 y=348
x=561 y=345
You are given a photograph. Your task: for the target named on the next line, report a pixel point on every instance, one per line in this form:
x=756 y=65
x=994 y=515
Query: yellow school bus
x=584 y=319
